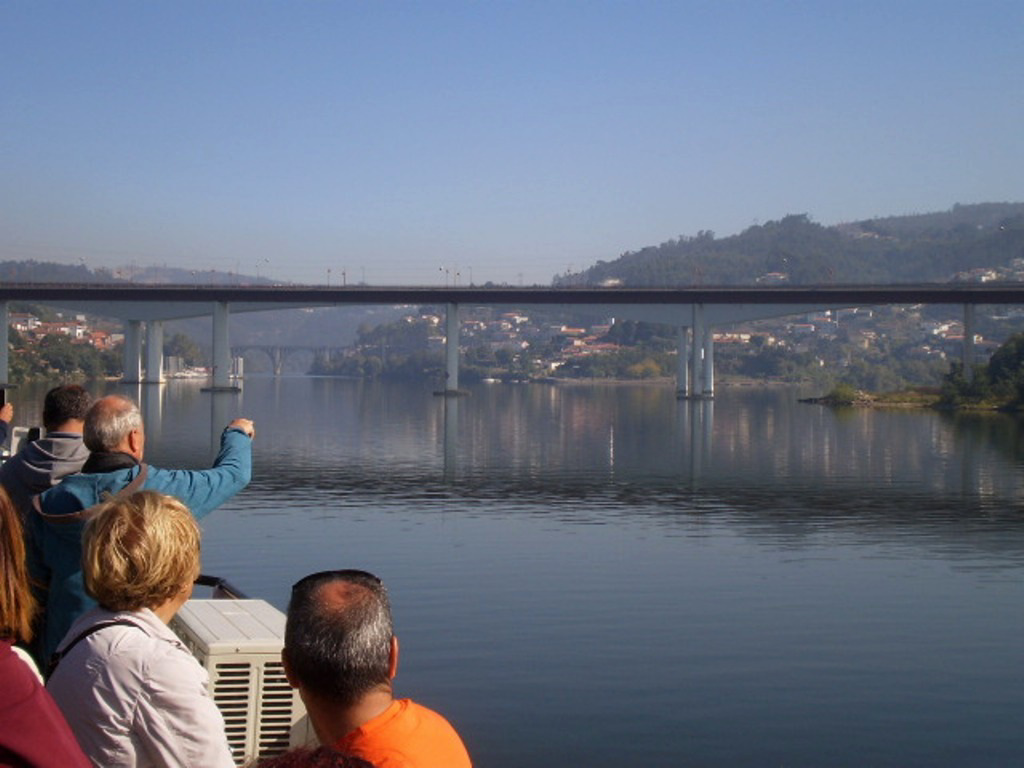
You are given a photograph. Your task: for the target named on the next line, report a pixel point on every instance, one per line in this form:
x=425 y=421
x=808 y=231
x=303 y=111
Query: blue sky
x=402 y=142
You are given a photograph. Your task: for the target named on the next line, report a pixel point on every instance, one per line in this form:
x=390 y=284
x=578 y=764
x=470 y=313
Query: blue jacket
x=54 y=548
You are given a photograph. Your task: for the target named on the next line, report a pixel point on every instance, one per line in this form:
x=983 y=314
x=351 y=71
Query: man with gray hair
x=341 y=653
x=115 y=435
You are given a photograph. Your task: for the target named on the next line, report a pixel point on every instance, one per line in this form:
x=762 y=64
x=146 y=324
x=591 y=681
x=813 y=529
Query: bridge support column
x=5 y=355
x=451 y=345
x=154 y=352
x=709 y=362
x=221 y=350
x=967 y=353
x=683 y=363
x=132 y=352
x=696 y=353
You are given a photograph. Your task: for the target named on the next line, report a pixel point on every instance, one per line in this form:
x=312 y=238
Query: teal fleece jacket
x=54 y=547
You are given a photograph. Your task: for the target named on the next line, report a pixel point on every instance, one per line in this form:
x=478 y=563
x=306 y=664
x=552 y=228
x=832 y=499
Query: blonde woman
x=130 y=690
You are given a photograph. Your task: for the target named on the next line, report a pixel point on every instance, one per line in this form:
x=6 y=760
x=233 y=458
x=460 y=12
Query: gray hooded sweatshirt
x=40 y=465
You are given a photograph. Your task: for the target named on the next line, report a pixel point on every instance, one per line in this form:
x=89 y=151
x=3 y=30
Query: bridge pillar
x=132 y=352
x=709 y=362
x=221 y=350
x=683 y=363
x=154 y=352
x=696 y=353
x=451 y=345
x=5 y=358
x=968 y=349
x=277 y=359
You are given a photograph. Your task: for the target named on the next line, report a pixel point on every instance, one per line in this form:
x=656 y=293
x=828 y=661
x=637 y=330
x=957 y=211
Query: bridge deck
x=862 y=295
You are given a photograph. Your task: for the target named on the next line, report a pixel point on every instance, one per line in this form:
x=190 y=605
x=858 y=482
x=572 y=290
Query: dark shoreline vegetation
x=845 y=396
x=995 y=386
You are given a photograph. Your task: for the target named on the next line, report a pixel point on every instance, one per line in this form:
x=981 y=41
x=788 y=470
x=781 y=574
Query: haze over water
x=605 y=576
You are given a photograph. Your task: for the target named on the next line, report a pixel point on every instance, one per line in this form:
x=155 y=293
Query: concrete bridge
x=279 y=353
x=694 y=311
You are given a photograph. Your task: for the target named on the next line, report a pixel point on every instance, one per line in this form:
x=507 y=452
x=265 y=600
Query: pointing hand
x=243 y=424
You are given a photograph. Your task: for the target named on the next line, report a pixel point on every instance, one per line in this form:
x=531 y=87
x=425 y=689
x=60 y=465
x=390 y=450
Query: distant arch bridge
x=693 y=310
x=279 y=354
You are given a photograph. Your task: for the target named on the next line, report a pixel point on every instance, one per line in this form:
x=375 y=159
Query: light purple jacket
x=134 y=696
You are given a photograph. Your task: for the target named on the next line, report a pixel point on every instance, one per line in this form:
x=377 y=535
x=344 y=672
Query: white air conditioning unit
x=239 y=643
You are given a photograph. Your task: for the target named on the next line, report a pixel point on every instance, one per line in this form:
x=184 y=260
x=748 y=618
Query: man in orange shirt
x=341 y=653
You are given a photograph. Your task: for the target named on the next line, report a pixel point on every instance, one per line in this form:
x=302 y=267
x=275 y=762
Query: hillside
x=924 y=247
x=921 y=248
x=327 y=326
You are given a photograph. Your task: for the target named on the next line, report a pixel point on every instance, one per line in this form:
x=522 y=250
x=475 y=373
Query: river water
x=605 y=576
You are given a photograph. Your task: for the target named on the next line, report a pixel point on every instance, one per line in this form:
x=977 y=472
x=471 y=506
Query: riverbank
x=913 y=398
x=846 y=397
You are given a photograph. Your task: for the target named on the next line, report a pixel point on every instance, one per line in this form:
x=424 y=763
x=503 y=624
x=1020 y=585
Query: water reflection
x=150 y=398
x=222 y=411
x=697 y=423
x=756 y=581
x=760 y=462
x=544 y=438
x=769 y=465
x=451 y=437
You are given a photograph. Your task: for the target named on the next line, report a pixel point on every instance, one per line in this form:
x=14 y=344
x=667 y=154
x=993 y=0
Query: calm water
x=604 y=576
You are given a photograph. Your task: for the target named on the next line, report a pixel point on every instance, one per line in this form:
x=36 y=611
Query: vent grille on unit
x=277 y=706
x=239 y=643
x=232 y=686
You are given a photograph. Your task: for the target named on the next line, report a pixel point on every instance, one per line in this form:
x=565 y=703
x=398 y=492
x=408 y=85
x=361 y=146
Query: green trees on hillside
x=391 y=350
x=180 y=345
x=930 y=247
x=999 y=383
x=57 y=357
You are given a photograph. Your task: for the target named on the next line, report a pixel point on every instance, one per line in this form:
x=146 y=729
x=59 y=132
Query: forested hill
x=929 y=247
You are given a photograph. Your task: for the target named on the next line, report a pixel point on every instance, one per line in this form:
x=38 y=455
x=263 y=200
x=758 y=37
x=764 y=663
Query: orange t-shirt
x=406 y=735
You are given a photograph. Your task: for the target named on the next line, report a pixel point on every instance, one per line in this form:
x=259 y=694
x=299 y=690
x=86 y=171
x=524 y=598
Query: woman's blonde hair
x=140 y=551
x=17 y=607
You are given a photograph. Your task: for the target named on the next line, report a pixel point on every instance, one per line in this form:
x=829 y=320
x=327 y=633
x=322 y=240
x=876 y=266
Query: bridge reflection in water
x=614 y=449
x=747 y=449
x=695 y=428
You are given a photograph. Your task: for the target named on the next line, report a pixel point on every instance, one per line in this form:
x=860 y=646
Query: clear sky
x=504 y=141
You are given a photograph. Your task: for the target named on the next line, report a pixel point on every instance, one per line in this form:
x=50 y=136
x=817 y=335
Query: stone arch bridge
x=279 y=354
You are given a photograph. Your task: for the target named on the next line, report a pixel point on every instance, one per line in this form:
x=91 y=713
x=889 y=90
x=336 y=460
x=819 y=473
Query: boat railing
x=222 y=588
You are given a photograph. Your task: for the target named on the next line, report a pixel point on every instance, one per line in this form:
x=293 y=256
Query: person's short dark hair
x=63 y=403
x=322 y=757
x=339 y=645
